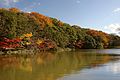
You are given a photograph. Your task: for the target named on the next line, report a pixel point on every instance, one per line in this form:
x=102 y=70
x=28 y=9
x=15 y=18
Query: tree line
x=45 y=33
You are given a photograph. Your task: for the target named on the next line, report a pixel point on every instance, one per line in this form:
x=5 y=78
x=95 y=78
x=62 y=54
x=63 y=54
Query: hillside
x=25 y=30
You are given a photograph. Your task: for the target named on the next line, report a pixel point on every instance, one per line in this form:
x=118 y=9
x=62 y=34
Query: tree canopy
x=14 y=23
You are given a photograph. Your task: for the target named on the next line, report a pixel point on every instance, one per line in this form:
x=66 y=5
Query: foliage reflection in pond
x=48 y=66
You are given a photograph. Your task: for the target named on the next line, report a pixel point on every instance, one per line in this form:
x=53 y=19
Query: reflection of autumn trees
x=49 y=66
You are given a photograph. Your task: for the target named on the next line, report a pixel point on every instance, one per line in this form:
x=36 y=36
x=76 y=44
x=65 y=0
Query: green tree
x=90 y=42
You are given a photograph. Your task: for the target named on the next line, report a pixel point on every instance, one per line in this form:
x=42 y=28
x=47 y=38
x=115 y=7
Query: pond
x=87 y=64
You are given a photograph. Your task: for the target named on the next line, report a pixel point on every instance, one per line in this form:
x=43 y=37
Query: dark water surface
x=79 y=65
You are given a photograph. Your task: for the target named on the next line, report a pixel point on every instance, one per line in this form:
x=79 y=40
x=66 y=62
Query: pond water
x=86 y=64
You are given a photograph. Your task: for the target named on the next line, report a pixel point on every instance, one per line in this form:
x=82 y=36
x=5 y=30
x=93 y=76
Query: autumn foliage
x=100 y=36
x=46 y=45
x=41 y=19
x=21 y=29
x=15 y=10
x=10 y=43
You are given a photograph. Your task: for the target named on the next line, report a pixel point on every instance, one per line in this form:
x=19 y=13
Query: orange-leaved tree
x=42 y=20
x=100 y=37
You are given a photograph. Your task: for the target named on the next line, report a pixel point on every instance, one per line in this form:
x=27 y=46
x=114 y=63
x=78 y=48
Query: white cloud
x=30 y=7
x=97 y=28
x=113 y=28
x=15 y=1
x=116 y=10
x=78 y=1
x=39 y=3
x=8 y=2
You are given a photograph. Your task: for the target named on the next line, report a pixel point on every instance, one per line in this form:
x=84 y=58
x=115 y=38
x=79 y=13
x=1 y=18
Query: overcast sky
x=96 y=14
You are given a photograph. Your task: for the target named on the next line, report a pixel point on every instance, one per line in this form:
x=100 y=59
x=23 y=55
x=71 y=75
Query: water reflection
x=49 y=66
x=114 y=67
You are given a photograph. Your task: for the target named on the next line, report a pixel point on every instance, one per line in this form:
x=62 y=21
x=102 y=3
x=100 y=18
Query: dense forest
x=19 y=29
